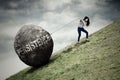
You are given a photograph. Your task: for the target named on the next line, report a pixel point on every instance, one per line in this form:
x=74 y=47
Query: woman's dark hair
x=88 y=22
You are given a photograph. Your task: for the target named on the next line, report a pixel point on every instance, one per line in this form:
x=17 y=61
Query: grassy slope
x=98 y=59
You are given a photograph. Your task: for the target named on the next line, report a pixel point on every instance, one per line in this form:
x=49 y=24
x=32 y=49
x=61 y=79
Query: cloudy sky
x=50 y=15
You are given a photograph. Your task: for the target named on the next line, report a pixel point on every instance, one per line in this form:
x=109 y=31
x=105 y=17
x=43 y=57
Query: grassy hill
x=98 y=59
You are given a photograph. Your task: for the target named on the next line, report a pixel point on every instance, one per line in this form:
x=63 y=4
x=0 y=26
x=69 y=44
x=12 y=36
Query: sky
x=51 y=15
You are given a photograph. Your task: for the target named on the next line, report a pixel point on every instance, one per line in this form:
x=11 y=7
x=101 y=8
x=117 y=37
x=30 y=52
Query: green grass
x=98 y=59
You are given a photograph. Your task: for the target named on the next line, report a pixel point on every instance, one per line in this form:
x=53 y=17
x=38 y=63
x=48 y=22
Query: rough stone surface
x=33 y=45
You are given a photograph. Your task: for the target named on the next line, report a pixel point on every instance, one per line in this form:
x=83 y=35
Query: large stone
x=33 y=45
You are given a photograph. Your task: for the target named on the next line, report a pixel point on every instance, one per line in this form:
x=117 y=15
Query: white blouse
x=81 y=24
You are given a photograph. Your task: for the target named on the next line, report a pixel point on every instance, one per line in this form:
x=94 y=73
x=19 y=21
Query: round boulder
x=33 y=45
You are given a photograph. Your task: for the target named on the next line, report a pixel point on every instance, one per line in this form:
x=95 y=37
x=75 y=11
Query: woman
x=84 y=22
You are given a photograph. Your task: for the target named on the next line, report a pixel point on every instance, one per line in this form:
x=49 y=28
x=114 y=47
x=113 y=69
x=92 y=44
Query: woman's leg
x=85 y=32
x=79 y=34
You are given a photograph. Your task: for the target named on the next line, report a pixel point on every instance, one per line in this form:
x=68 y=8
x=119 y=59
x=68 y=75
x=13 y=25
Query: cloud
x=29 y=9
x=15 y=4
x=10 y=66
x=55 y=4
